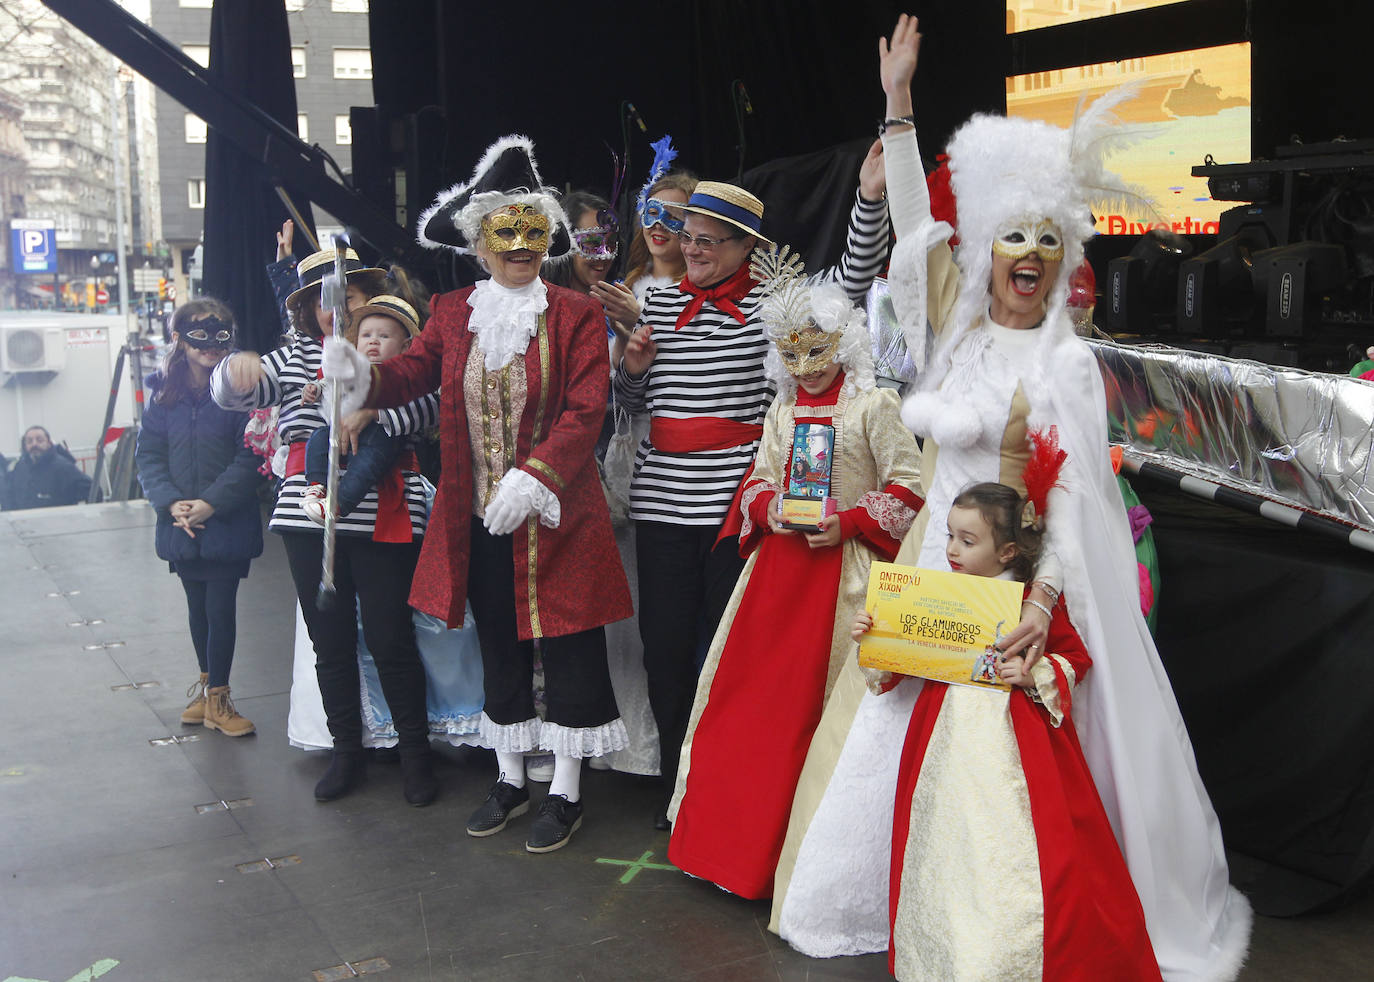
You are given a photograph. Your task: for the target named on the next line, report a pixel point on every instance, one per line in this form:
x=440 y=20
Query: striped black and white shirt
x=713 y=366
x=285 y=374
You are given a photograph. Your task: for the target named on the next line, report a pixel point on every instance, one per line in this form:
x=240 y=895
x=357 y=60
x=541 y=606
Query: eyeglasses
x=703 y=242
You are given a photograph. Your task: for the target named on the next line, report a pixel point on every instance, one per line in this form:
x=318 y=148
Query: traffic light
x=162 y=288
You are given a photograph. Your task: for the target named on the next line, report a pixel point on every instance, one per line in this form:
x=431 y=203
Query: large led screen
x=1027 y=15
x=1191 y=104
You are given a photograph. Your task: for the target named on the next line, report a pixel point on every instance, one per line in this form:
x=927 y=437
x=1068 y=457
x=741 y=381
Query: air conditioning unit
x=32 y=349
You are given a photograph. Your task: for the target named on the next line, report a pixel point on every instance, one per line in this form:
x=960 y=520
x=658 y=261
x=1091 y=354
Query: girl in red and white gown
x=1004 y=865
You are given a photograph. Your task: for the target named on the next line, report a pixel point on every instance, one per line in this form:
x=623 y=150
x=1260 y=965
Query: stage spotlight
x=1142 y=286
x=1291 y=281
x=1215 y=287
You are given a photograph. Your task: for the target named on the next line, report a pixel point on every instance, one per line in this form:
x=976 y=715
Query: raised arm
x=865 y=249
x=907 y=198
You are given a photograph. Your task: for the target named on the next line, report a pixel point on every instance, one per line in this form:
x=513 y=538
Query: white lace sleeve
x=746 y=502
x=542 y=500
x=892 y=516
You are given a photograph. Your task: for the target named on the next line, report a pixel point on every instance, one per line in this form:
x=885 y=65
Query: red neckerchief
x=724 y=295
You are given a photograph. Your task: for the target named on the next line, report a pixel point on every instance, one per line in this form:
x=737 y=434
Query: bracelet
x=1038 y=605
x=896 y=121
x=1050 y=591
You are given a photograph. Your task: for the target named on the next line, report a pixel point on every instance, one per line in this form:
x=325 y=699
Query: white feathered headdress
x=1006 y=168
x=791 y=302
x=1003 y=170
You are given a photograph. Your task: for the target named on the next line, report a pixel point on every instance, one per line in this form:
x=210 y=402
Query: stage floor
x=118 y=859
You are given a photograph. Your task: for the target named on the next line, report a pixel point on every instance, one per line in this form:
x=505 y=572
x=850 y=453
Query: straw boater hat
x=388 y=306
x=506 y=174
x=727 y=203
x=316 y=266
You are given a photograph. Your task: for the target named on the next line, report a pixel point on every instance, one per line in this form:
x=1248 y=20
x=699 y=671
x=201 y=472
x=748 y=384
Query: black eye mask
x=209 y=332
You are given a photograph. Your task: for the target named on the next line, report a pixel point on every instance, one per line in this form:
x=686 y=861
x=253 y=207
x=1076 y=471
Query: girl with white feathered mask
x=833 y=443
x=1004 y=360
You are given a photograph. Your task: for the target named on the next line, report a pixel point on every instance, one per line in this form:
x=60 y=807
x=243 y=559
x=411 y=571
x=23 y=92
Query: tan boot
x=194 y=713
x=221 y=715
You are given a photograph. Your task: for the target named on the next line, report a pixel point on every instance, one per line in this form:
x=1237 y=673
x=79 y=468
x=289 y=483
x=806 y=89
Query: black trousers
x=373 y=577
x=684 y=586
x=577 y=681
x=210 y=609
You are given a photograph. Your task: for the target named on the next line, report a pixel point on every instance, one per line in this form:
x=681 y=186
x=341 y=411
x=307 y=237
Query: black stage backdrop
x=562 y=75
x=1264 y=631
x=243 y=211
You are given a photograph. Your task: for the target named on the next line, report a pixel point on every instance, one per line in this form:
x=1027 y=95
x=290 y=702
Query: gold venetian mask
x=1020 y=237
x=516 y=227
x=808 y=350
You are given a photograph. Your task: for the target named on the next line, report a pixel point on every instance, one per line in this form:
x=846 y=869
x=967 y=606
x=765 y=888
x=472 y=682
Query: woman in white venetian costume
x=1005 y=358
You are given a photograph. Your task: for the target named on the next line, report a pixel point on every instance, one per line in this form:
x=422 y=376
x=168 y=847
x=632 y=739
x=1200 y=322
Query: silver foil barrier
x=1300 y=438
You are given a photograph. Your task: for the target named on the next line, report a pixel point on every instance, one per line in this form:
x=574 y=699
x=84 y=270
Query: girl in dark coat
x=202 y=479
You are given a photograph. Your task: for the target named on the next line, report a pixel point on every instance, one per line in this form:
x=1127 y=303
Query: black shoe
x=504 y=802
x=661 y=821
x=346 y=771
x=417 y=775
x=557 y=820
x=383 y=755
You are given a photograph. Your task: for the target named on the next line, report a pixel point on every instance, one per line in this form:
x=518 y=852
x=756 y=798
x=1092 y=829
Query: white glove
x=508 y=509
x=345 y=366
x=519 y=495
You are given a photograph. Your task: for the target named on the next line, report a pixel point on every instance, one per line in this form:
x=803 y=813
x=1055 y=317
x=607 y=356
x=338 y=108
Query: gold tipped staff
x=334 y=295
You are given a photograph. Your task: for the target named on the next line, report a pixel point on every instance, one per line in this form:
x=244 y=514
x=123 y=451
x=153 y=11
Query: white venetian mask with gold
x=1020 y=237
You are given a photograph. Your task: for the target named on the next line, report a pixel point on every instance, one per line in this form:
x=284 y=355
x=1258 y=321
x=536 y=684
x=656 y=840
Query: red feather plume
x=1043 y=469
x=943 y=206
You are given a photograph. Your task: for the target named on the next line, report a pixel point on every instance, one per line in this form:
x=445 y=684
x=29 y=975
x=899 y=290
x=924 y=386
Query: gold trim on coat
x=532 y=523
x=546 y=470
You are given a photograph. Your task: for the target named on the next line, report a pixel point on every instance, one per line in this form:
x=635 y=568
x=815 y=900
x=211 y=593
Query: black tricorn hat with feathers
x=506 y=173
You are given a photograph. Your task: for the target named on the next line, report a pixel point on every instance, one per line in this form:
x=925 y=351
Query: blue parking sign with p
x=33 y=246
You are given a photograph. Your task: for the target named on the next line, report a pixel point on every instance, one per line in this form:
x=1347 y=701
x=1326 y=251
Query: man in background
x=45 y=476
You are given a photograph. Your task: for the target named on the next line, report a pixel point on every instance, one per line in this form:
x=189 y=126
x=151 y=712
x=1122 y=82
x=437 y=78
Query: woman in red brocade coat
x=520 y=526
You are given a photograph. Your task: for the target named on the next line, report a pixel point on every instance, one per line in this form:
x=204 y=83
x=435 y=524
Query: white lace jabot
x=505 y=318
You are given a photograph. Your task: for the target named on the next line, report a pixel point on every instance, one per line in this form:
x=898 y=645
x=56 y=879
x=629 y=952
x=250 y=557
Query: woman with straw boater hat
x=696 y=363
x=370 y=573
x=520 y=524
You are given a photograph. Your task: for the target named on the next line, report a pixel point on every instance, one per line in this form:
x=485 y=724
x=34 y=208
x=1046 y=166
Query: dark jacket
x=195 y=449
x=52 y=479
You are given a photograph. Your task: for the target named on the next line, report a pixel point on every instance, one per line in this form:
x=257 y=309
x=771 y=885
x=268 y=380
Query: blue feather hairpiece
x=664 y=155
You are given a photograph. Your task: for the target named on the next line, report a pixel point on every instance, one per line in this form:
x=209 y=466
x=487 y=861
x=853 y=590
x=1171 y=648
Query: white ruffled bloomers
x=566 y=741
